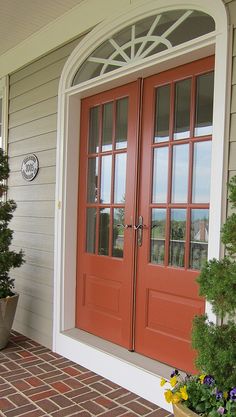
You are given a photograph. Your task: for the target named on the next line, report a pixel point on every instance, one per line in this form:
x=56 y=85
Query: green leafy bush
x=8 y=258
x=213 y=392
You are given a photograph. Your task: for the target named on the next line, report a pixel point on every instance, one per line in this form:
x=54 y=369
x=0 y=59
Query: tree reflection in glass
x=118 y=232
x=104 y=222
x=199 y=237
x=158 y=231
x=177 y=237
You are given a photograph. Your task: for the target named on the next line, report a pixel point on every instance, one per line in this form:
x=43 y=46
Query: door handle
x=139 y=228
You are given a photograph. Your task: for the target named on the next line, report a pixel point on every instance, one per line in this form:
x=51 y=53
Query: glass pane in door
x=180 y=169
x=104 y=225
x=162 y=114
x=118 y=232
x=92 y=184
x=160 y=175
x=201 y=172
x=94 y=130
x=121 y=123
x=107 y=127
x=106 y=164
x=120 y=178
x=177 y=237
x=91 y=229
x=182 y=109
x=199 y=237
x=204 y=105
x=158 y=236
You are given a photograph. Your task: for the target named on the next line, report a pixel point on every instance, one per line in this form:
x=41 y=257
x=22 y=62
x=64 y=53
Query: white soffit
x=20 y=19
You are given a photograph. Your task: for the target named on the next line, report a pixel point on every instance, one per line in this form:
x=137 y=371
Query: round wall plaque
x=30 y=167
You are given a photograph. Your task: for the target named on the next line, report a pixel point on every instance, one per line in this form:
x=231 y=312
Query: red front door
x=144 y=210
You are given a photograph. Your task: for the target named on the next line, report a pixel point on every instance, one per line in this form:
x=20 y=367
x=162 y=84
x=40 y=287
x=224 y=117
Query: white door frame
x=110 y=366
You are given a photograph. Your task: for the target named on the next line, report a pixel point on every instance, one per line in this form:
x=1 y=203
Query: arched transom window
x=143 y=39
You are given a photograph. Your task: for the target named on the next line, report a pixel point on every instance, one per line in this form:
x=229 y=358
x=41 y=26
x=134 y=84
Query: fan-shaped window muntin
x=144 y=38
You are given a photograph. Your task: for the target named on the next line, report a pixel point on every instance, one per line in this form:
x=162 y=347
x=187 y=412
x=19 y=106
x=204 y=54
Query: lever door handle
x=139 y=226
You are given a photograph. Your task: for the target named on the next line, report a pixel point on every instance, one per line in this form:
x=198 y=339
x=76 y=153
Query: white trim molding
x=4 y=90
x=135 y=378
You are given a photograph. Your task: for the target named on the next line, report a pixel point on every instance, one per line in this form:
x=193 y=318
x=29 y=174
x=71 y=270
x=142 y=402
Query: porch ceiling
x=19 y=19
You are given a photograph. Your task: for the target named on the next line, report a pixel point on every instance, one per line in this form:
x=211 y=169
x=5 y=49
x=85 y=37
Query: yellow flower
x=163 y=381
x=201 y=377
x=225 y=395
x=176 y=398
x=173 y=381
x=168 y=396
x=184 y=394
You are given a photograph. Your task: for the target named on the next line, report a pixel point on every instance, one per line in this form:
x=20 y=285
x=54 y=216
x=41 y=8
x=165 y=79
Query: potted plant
x=8 y=258
x=212 y=393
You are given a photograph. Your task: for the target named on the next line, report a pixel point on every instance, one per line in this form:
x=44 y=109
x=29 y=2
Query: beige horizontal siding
x=32 y=129
x=47 y=158
x=34 y=274
x=33 y=225
x=37 y=258
x=37 y=95
x=29 y=323
x=43 y=62
x=232 y=131
x=35 y=209
x=49 y=73
x=35 y=144
x=36 y=241
x=32 y=192
x=45 y=176
x=34 y=112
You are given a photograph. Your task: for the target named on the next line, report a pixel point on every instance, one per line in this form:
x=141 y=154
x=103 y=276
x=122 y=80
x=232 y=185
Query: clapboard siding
x=32 y=129
x=34 y=112
x=35 y=144
x=36 y=241
x=28 y=322
x=33 y=225
x=232 y=135
x=37 y=95
x=43 y=62
x=47 y=158
x=31 y=192
x=41 y=275
x=37 y=258
x=45 y=176
x=35 y=209
x=49 y=73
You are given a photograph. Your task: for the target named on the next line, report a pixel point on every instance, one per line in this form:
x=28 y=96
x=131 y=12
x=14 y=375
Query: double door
x=143 y=211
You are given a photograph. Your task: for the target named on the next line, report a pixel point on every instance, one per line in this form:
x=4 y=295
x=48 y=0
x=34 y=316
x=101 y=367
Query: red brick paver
x=36 y=382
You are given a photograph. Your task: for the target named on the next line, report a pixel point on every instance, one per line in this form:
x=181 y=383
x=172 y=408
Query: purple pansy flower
x=175 y=372
x=208 y=380
x=221 y=410
x=232 y=394
x=219 y=395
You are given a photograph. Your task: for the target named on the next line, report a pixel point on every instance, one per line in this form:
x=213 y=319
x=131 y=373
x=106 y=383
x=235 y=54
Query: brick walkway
x=34 y=382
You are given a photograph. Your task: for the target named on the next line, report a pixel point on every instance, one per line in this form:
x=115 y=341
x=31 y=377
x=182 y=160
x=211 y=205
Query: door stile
x=134 y=220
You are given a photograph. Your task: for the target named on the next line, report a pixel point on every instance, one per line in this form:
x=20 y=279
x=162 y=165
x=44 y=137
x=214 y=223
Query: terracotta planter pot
x=182 y=411
x=7 y=314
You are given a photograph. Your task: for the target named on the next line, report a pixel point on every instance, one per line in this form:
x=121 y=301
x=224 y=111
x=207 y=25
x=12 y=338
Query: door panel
x=107 y=193
x=174 y=203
